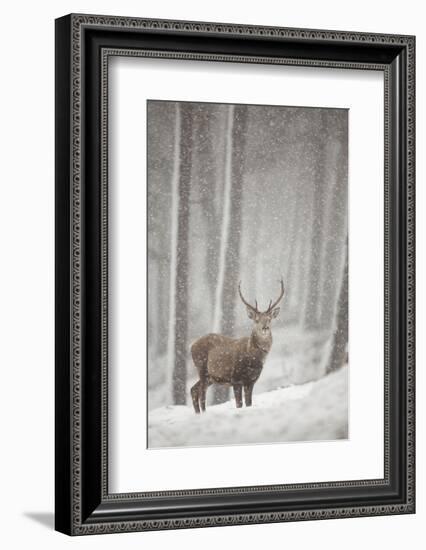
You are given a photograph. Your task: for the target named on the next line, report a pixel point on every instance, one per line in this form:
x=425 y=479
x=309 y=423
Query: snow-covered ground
x=316 y=410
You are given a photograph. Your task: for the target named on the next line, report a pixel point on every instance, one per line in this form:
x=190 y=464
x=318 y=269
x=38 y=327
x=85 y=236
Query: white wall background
x=27 y=245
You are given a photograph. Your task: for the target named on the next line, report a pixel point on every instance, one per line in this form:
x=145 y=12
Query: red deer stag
x=234 y=362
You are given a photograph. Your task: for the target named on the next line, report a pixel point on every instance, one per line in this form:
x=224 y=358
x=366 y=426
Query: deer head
x=262 y=319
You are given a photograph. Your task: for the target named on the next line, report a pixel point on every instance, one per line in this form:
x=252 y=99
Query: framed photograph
x=234 y=274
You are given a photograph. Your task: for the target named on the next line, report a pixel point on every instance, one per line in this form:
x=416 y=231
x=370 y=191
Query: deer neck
x=262 y=344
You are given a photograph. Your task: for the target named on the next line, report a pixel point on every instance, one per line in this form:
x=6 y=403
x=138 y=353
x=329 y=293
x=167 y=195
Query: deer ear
x=275 y=312
x=251 y=314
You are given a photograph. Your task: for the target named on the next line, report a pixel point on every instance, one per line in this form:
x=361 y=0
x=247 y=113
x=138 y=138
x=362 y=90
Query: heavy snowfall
x=248 y=193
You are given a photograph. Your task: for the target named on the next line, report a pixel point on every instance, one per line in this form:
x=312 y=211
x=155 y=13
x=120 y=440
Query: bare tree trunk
x=293 y=263
x=336 y=228
x=300 y=254
x=207 y=178
x=252 y=256
x=233 y=253
x=288 y=228
x=153 y=317
x=232 y=257
x=179 y=262
x=258 y=243
x=163 y=304
x=297 y=269
x=313 y=294
x=158 y=299
x=338 y=355
x=226 y=214
x=158 y=235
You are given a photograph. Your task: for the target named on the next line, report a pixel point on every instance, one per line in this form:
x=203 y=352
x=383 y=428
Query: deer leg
x=248 y=391
x=203 y=390
x=238 y=392
x=195 y=394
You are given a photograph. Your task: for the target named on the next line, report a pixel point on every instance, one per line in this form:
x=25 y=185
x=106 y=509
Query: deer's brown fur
x=234 y=362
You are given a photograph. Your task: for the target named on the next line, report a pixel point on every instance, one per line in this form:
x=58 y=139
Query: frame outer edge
x=63 y=496
x=411 y=271
x=77 y=23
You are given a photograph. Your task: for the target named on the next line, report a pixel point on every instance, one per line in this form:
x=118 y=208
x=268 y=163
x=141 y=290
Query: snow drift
x=312 y=411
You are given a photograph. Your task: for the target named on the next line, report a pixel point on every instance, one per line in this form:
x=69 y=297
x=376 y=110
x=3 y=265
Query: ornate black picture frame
x=83 y=45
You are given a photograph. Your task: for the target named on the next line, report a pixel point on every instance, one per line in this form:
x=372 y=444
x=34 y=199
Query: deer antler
x=272 y=305
x=245 y=302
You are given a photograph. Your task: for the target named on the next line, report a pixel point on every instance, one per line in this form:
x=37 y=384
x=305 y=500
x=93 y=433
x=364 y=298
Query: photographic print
x=247 y=274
